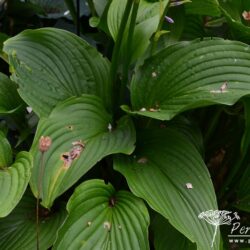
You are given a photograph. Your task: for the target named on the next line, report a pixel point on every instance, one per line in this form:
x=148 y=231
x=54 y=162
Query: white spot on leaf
x=107 y=225
x=154 y=74
x=29 y=109
x=189 y=186
x=110 y=127
x=142 y=160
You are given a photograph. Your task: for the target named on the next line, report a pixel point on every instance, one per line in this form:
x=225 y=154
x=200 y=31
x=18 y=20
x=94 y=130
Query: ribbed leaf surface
x=18 y=230
x=51 y=65
x=169 y=173
x=5 y=152
x=191 y=74
x=83 y=120
x=167 y=237
x=13 y=182
x=101 y=218
x=9 y=98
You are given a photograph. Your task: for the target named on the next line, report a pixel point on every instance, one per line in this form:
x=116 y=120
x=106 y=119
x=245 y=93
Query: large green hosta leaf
x=101 y=218
x=10 y=101
x=191 y=74
x=18 y=230
x=77 y=119
x=169 y=173
x=51 y=65
x=13 y=179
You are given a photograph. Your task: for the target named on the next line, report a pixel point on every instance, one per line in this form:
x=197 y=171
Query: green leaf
x=167 y=237
x=51 y=65
x=190 y=129
x=100 y=6
x=101 y=218
x=147 y=20
x=5 y=152
x=3 y=37
x=18 y=230
x=206 y=8
x=169 y=173
x=10 y=101
x=77 y=119
x=188 y=75
x=193 y=28
x=13 y=182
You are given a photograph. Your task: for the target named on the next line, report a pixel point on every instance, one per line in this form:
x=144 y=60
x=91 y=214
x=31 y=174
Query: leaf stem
x=116 y=52
x=157 y=33
x=126 y=63
x=78 y=17
x=40 y=177
x=71 y=7
x=92 y=7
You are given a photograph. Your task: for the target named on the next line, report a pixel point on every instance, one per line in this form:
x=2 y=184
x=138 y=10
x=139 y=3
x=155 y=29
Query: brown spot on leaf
x=67 y=161
x=153 y=110
x=73 y=154
x=70 y=127
x=112 y=202
x=224 y=87
x=246 y=15
x=78 y=147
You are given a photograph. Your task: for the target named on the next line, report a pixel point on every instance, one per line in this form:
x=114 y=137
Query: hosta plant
x=124 y=149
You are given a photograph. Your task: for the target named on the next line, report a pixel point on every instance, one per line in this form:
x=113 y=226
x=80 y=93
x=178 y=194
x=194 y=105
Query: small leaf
x=18 y=230
x=167 y=237
x=191 y=74
x=101 y=218
x=81 y=120
x=13 y=182
x=51 y=65
x=169 y=173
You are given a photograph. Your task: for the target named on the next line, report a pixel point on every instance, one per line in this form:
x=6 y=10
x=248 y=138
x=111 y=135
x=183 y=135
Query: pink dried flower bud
x=44 y=143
